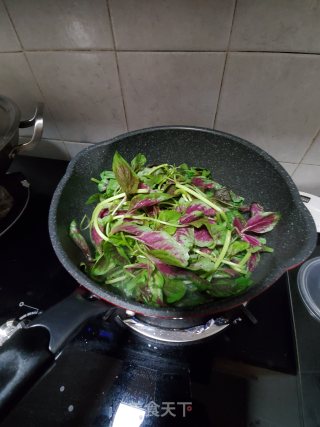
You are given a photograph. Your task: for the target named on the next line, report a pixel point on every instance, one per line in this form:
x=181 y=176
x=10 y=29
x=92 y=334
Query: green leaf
x=235 y=198
x=172 y=217
x=237 y=247
x=101 y=266
x=94 y=198
x=167 y=257
x=126 y=177
x=203 y=264
x=228 y=287
x=192 y=297
x=138 y=162
x=174 y=290
x=112 y=187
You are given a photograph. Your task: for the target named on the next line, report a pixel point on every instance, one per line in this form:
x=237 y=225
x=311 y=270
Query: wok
x=236 y=163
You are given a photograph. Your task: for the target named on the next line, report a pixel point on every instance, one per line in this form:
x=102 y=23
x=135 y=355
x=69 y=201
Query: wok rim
x=216 y=306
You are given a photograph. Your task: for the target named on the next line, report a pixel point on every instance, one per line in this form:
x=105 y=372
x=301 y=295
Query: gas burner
x=195 y=333
x=18 y=188
x=180 y=330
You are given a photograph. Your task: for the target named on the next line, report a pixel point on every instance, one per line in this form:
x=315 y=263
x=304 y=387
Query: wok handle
x=28 y=354
x=23 y=359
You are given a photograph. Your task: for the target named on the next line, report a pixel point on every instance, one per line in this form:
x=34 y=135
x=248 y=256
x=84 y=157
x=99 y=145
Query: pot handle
x=37 y=122
x=31 y=350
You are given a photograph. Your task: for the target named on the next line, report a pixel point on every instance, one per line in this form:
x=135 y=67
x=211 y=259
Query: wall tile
x=59 y=24
x=313 y=155
x=307 y=178
x=83 y=93
x=172 y=24
x=75 y=147
x=273 y=101
x=18 y=83
x=8 y=38
x=273 y=25
x=289 y=167
x=170 y=88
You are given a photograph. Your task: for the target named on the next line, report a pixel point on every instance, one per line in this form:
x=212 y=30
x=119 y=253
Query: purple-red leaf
x=95 y=237
x=262 y=222
x=200 y=207
x=195 y=211
x=185 y=236
x=206 y=250
x=103 y=213
x=238 y=224
x=253 y=261
x=134 y=229
x=177 y=272
x=141 y=201
x=253 y=241
x=202 y=237
x=255 y=208
x=171 y=250
x=203 y=183
x=165 y=247
x=187 y=218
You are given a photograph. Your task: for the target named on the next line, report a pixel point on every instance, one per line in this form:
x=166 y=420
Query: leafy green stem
x=224 y=249
x=116 y=280
x=199 y=195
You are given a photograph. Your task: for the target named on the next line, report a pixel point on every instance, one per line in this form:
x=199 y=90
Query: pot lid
x=309 y=286
x=9 y=120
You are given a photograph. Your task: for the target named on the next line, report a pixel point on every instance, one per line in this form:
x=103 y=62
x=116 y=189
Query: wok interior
x=247 y=172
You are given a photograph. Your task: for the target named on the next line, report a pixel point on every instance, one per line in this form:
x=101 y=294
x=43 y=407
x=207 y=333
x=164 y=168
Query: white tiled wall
x=248 y=67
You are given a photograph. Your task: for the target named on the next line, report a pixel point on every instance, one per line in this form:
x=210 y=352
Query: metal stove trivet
x=182 y=335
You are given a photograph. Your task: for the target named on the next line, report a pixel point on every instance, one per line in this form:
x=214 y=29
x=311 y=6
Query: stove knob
x=8 y=329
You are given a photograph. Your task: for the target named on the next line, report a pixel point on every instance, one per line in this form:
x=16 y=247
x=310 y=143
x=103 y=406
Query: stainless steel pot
x=10 y=123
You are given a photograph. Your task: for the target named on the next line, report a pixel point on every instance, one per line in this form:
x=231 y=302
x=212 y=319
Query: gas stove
x=118 y=370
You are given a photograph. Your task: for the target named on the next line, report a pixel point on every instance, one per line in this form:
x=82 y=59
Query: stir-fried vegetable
x=170 y=235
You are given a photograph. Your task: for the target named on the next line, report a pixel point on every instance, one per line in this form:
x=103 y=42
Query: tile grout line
x=14 y=29
x=37 y=84
x=117 y=64
x=224 y=67
x=97 y=49
x=307 y=151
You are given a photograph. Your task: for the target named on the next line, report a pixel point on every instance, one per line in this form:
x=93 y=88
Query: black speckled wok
x=245 y=168
x=236 y=163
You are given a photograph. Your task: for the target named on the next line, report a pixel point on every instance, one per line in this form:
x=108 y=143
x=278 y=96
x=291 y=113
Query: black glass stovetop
x=109 y=376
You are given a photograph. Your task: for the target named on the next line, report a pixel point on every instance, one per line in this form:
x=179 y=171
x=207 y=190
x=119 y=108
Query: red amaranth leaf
x=95 y=237
x=202 y=237
x=253 y=261
x=187 y=218
x=195 y=211
x=103 y=213
x=255 y=208
x=207 y=210
x=203 y=183
x=185 y=236
x=237 y=223
x=143 y=186
x=253 y=241
x=262 y=222
x=141 y=201
x=163 y=245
